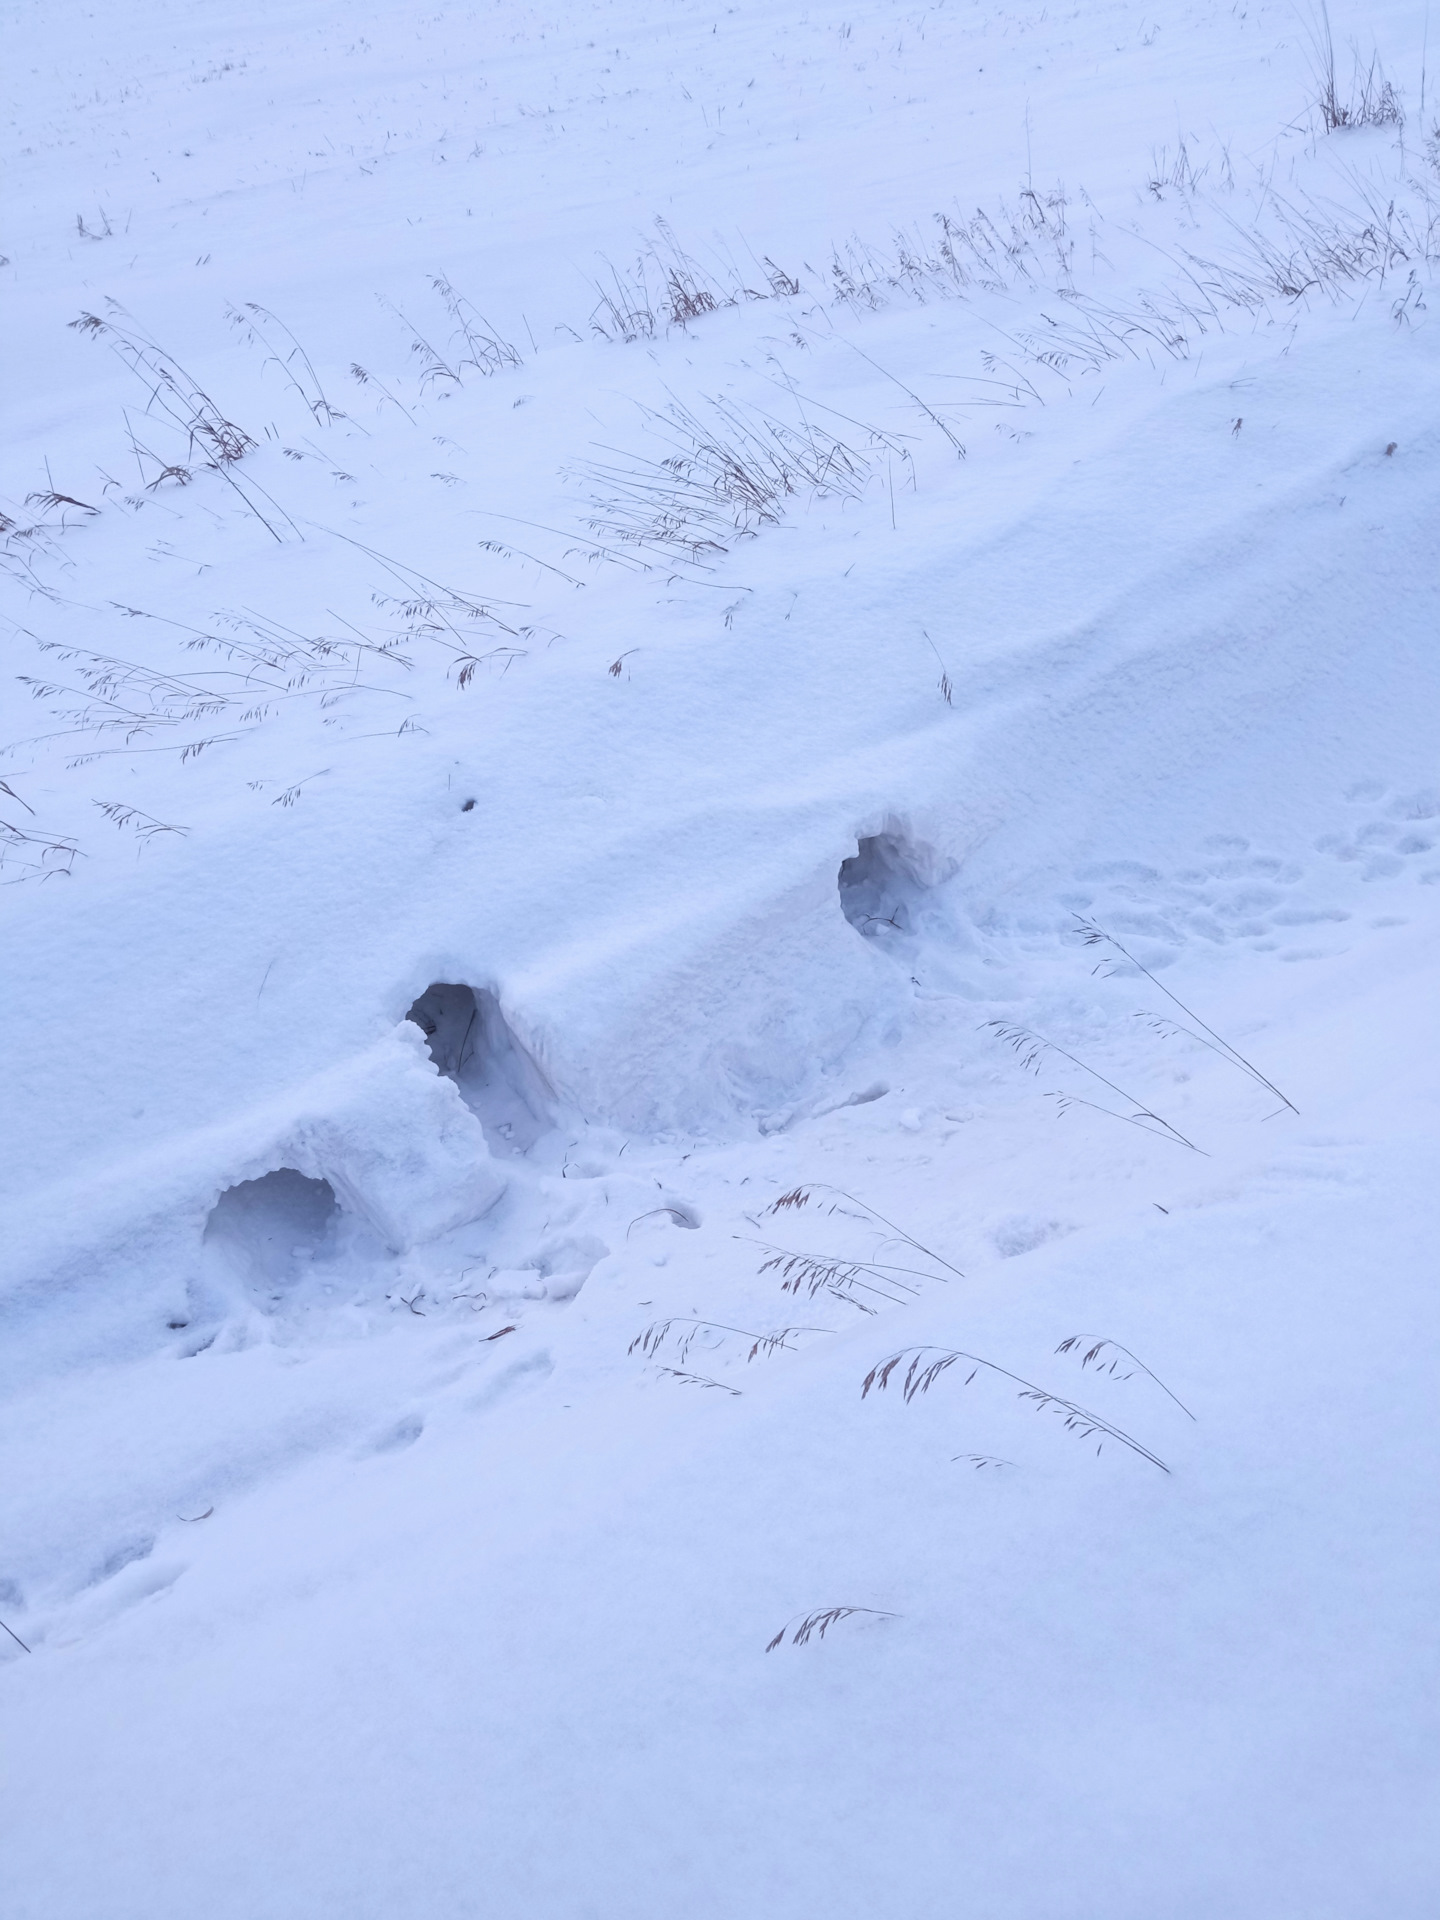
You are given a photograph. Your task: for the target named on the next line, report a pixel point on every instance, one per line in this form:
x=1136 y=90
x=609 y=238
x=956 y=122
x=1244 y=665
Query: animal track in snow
x=1234 y=891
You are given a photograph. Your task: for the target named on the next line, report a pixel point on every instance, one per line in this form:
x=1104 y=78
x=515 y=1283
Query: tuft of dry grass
x=843 y=1276
x=803 y=1195
x=729 y=471
x=212 y=442
x=144 y=825
x=30 y=852
x=667 y=287
x=811 y=1274
x=679 y=1334
x=1369 y=101
x=108 y=696
x=485 y=349
x=52 y=502
x=921 y=1375
x=816 y=1625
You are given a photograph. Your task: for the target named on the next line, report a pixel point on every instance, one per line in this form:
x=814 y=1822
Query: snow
x=948 y=865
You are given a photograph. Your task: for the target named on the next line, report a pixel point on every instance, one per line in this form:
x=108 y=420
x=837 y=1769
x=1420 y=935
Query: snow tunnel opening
x=883 y=886
x=273 y=1229
x=471 y=1043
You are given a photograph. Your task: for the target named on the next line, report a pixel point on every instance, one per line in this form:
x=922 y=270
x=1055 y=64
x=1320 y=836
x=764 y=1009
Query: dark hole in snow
x=272 y=1228
x=469 y=807
x=471 y=1043
x=881 y=889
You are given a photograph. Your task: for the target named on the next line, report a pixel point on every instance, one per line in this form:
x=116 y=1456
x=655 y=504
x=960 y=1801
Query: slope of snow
x=843 y=611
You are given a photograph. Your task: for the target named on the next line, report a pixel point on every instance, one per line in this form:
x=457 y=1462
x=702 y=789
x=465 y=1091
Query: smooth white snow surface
x=844 y=609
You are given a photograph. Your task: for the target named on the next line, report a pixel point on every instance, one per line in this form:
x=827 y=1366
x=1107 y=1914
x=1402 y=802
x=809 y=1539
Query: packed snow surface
x=721 y=802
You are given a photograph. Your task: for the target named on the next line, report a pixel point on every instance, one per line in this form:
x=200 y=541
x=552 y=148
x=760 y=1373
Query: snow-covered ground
x=842 y=604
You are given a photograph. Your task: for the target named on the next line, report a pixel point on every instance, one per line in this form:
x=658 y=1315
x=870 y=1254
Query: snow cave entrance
x=471 y=1043
x=272 y=1230
x=883 y=887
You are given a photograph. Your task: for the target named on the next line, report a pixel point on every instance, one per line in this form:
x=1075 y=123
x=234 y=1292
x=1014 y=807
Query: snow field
x=533 y=971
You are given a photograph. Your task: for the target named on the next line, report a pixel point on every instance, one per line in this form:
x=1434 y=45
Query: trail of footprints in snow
x=1236 y=893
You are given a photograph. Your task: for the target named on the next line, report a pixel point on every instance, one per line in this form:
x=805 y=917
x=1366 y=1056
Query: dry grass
x=698 y=1380
x=859 y=1282
x=1369 y=101
x=1032 y=1048
x=678 y=1216
x=29 y=852
x=15 y=1637
x=483 y=347
x=803 y=1196
x=724 y=470
x=108 y=697
x=144 y=826
x=678 y=1335
x=1094 y=935
x=288 y=355
x=811 y=1274
x=665 y=287
x=730 y=470
x=922 y=1373
x=1108 y=1356
x=208 y=440
x=816 y=1625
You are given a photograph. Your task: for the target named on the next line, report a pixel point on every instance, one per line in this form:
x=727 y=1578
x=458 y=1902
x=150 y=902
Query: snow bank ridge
x=385 y=1141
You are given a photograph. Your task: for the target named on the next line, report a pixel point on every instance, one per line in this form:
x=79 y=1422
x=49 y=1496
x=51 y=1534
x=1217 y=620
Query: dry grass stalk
x=266 y=666
x=731 y=471
x=1031 y=1048
x=485 y=350
x=841 y=1275
x=677 y=1216
x=762 y=1345
x=37 y=855
x=802 y=1196
x=294 y=362
x=810 y=1274
x=213 y=442
x=699 y=1380
x=1095 y=935
x=1371 y=100
x=1107 y=1356
x=922 y=1374
x=144 y=825
x=667 y=287
x=16 y=1638
x=816 y=1625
